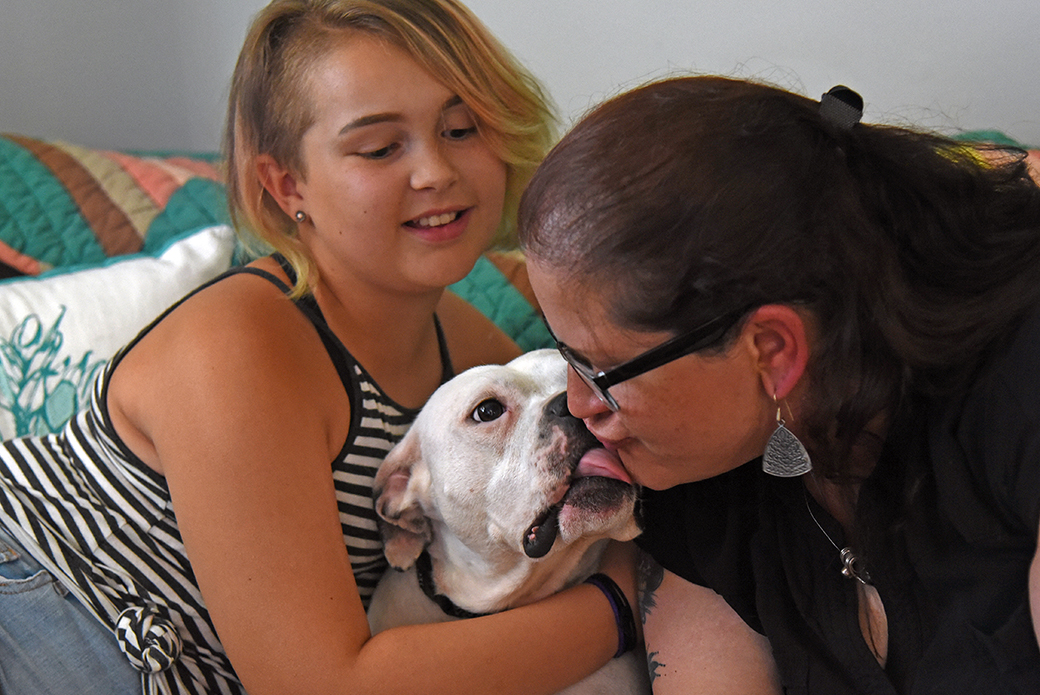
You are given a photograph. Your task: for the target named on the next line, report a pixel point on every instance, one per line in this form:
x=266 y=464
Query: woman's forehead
x=559 y=291
x=578 y=310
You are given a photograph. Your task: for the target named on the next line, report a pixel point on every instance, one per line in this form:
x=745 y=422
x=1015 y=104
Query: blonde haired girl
x=211 y=513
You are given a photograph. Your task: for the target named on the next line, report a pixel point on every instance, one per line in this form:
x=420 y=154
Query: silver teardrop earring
x=785 y=456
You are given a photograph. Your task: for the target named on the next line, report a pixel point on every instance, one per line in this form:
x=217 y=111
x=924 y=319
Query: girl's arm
x=473 y=339
x=242 y=412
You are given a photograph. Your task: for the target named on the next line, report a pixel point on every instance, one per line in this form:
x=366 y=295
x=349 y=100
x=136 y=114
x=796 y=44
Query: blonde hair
x=269 y=108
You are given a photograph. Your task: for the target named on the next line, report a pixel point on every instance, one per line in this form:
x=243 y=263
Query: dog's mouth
x=598 y=482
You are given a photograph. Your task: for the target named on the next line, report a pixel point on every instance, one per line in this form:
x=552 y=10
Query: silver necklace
x=872 y=619
x=850 y=564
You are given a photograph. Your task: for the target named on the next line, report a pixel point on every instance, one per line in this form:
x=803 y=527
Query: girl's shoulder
x=220 y=359
x=241 y=315
x=473 y=339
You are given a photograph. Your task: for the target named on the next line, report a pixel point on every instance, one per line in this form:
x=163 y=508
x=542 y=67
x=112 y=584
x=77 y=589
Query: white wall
x=147 y=74
x=153 y=73
x=966 y=64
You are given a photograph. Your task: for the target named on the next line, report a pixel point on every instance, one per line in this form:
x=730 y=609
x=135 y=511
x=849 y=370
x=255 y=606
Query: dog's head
x=497 y=471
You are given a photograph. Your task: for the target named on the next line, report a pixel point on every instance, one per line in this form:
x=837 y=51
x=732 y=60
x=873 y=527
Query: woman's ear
x=781 y=342
x=280 y=183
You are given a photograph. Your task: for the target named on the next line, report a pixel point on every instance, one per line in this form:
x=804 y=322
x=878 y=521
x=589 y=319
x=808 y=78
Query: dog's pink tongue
x=602 y=463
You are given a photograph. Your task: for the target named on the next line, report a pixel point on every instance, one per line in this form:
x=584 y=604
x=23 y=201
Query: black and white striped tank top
x=103 y=524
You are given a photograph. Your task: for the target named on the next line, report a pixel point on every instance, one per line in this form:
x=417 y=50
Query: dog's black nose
x=557 y=407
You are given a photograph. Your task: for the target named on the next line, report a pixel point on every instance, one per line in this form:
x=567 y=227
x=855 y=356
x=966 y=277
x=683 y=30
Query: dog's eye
x=488 y=410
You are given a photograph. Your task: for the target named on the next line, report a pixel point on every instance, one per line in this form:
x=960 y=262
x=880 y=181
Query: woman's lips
x=608 y=444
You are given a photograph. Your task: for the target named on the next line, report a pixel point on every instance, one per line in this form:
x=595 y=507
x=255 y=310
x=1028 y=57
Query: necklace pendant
x=850 y=567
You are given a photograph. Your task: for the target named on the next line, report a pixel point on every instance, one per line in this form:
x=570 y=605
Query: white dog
x=498 y=497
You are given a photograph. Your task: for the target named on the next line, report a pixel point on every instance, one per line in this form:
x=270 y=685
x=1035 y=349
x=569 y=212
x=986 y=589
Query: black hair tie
x=841 y=107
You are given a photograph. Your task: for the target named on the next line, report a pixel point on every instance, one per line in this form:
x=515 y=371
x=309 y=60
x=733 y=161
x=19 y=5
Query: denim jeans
x=49 y=643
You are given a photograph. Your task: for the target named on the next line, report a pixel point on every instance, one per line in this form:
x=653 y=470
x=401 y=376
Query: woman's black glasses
x=679 y=346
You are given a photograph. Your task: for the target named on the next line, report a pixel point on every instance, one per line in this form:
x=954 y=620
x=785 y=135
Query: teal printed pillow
x=59 y=329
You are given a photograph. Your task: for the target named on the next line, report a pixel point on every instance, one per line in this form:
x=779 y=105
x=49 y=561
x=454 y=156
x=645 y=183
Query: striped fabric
x=382 y=423
x=102 y=522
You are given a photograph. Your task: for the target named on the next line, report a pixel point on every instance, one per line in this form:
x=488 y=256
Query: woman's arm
x=245 y=445
x=696 y=643
x=1034 y=592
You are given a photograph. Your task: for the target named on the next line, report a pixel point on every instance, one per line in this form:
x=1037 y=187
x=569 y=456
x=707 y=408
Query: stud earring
x=785 y=456
x=300 y=215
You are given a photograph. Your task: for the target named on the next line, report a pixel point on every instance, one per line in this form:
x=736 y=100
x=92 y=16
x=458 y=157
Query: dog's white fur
x=467 y=491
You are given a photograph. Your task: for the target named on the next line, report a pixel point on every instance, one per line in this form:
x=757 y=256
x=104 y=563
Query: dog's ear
x=401 y=485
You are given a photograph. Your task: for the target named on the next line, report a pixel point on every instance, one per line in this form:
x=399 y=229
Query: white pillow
x=59 y=329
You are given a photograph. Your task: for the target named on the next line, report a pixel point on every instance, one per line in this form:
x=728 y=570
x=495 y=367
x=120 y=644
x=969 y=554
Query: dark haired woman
x=814 y=342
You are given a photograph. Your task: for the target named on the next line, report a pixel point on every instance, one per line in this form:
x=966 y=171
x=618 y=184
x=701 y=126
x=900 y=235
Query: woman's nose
x=581 y=400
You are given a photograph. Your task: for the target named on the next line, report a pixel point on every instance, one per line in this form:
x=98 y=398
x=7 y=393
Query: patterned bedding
x=62 y=205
